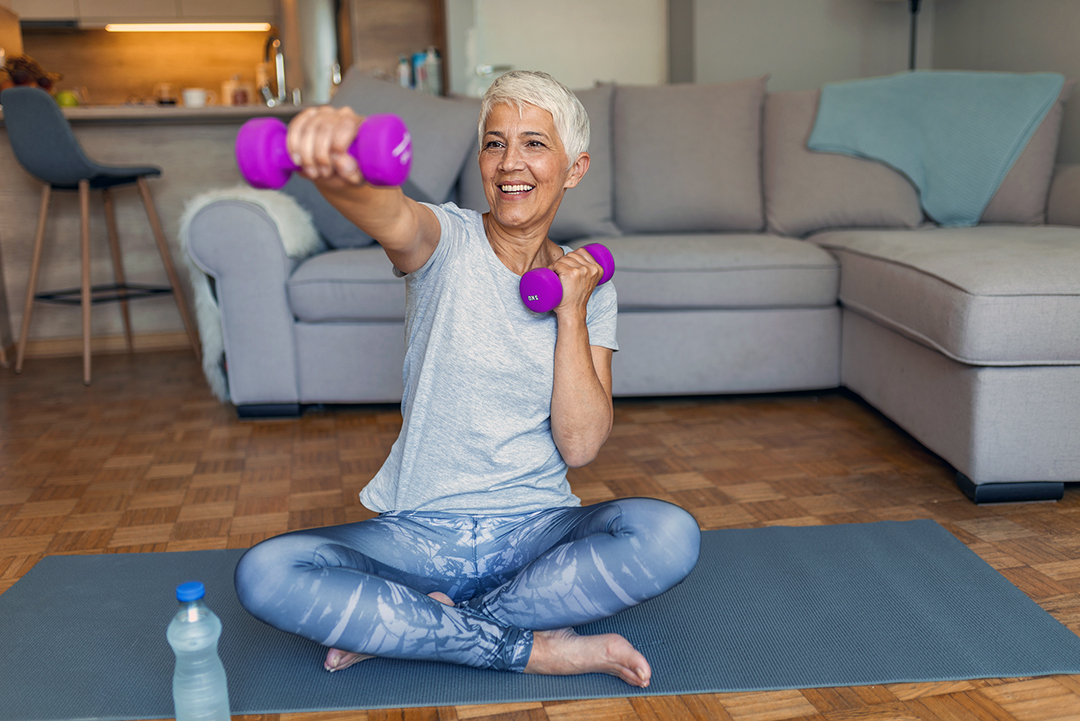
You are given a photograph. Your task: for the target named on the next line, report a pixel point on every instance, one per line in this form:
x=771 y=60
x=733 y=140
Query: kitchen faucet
x=273 y=47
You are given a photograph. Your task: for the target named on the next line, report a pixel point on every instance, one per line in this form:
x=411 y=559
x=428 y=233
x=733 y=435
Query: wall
x=800 y=43
x=804 y=43
x=1014 y=36
x=580 y=42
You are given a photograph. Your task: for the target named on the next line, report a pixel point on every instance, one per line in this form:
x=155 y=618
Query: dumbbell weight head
x=262 y=155
x=541 y=290
x=382 y=149
x=604 y=258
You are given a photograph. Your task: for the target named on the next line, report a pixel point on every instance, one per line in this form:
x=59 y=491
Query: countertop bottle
x=420 y=79
x=433 y=71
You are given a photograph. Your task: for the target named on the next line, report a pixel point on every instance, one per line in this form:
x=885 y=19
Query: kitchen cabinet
x=114 y=10
x=46 y=9
x=239 y=10
x=376 y=32
x=98 y=12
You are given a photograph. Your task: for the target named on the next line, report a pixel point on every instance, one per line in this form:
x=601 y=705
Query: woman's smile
x=516 y=189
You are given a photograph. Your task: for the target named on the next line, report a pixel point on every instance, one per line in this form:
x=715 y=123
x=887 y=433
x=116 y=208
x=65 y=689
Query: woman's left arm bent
x=581 y=407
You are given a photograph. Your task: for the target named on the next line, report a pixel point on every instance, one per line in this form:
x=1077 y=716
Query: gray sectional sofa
x=745 y=263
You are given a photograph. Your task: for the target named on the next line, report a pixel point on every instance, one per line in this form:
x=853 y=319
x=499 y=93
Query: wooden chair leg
x=7 y=344
x=118 y=263
x=31 y=284
x=166 y=259
x=84 y=213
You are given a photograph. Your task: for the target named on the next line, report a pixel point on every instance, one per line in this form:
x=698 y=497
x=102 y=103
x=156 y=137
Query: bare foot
x=564 y=653
x=441 y=598
x=338 y=660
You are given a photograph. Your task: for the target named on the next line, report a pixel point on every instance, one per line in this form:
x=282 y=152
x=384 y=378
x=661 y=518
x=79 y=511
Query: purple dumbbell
x=383 y=150
x=541 y=289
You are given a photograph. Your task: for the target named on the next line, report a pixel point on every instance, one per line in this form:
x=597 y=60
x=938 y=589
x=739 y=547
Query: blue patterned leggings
x=363 y=587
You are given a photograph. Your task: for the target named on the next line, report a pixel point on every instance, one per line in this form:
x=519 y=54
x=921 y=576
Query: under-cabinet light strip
x=186 y=27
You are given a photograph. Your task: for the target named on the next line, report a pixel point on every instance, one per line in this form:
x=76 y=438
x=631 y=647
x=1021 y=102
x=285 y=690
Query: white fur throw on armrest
x=298 y=237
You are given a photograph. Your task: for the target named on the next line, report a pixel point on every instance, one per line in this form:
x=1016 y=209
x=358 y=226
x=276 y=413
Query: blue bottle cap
x=190 y=591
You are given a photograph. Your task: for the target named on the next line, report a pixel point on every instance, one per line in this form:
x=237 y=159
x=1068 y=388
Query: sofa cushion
x=721 y=270
x=442 y=129
x=586 y=210
x=354 y=284
x=988 y=295
x=1022 y=195
x=807 y=191
x=688 y=157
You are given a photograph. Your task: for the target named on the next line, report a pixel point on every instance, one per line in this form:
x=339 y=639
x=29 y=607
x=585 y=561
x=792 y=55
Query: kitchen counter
x=153 y=114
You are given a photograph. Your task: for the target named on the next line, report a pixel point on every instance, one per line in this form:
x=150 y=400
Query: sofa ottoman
x=967 y=338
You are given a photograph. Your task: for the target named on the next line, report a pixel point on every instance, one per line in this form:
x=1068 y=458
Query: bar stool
x=46 y=147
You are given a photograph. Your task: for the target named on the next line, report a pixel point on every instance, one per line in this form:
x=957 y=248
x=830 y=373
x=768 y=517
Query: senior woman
x=481 y=555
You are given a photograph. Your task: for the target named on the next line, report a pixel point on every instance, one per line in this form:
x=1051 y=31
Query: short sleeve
x=452 y=229
x=602 y=316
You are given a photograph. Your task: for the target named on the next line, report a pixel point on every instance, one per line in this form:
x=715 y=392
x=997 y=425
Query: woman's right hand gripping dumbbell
x=333 y=146
x=357 y=163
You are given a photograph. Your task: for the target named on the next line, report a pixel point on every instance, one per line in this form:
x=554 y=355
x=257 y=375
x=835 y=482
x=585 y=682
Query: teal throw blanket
x=954 y=134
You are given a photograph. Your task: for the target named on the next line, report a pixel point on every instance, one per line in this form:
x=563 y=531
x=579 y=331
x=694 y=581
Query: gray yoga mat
x=772 y=608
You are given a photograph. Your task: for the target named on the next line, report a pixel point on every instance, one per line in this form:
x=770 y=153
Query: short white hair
x=520 y=87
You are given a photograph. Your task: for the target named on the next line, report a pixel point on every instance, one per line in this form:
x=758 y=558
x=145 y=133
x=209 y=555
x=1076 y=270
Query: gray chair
x=46 y=147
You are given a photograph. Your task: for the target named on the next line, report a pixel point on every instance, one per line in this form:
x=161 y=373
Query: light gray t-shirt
x=479 y=372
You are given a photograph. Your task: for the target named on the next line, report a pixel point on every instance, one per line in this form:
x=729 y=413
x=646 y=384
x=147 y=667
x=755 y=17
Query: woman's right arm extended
x=318 y=142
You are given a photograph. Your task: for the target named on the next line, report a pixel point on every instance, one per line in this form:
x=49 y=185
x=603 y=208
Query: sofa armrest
x=1063 y=205
x=240 y=245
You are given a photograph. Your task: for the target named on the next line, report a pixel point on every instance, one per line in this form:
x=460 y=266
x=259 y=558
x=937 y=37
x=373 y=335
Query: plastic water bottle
x=199 y=689
x=433 y=71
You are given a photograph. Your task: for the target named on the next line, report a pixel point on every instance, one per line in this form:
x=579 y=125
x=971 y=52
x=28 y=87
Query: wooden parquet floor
x=146 y=460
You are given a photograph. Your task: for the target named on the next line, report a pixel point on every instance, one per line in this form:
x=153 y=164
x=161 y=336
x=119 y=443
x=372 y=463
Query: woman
x=481 y=555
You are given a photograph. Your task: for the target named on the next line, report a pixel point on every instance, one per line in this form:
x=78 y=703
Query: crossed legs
x=518 y=584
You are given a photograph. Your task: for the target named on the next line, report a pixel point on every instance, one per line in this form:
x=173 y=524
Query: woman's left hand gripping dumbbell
x=569 y=282
x=334 y=146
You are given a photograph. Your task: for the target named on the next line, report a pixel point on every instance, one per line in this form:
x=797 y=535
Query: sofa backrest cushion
x=442 y=129
x=806 y=191
x=337 y=230
x=688 y=157
x=587 y=210
x=1061 y=207
x=1023 y=194
x=334 y=228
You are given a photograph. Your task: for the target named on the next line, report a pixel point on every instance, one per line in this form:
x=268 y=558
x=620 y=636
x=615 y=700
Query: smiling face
x=525 y=168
